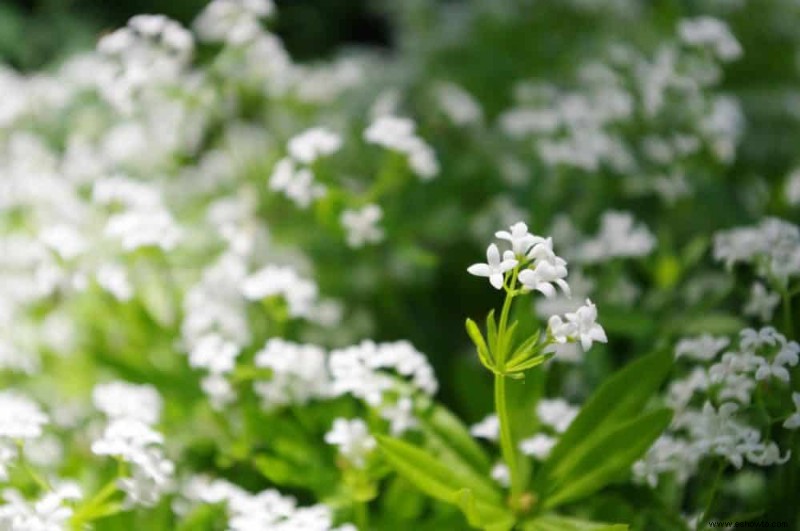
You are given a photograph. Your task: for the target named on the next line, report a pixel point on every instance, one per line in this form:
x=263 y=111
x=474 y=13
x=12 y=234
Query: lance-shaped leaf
x=617 y=400
x=610 y=459
x=440 y=481
x=441 y=424
x=525 y=350
x=491 y=332
x=480 y=344
x=490 y=519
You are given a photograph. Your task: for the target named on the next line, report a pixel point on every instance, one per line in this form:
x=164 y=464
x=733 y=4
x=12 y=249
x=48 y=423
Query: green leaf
x=485 y=519
x=618 y=399
x=483 y=352
x=524 y=365
x=431 y=475
x=562 y=523
x=491 y=332
x=449 y=428
x=525 y=348
x=609 y=459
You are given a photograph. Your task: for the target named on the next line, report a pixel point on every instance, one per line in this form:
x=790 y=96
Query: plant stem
x=788 y=325
x=506 y=441
x=361 y=516
x=714 y=487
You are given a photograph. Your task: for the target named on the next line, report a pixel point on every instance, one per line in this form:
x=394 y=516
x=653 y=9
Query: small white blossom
x=314 y=143
x=538 y=446
x=501 y=474
x=702 y=348
x=762 y=302
x=362 y=225
x=120 y=400
x=494 y=268
x=488 y=428
x=556 y=413
x=20 y=417
x=352 y=438
x=580 y=325
x=793 y=422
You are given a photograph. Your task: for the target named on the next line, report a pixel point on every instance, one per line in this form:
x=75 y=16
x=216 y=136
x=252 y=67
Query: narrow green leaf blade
x=431 y=475
x=483 y=352
x=608 y=460
x=615 y=401
x=451 y=430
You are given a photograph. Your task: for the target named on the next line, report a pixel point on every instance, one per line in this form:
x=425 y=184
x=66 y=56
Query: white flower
x=538 y=446
x=114 y=279
x=793 y=422
x=214 y=353
x=702 y=348
x=521 y=240
x=20 y=417
x=459 y=106
x=488 y=428
x=494 y=269
x=580 y=325
x=299 y=373
x=362 y=225
x=588 y=330
x=120 y=400
x=314 y=143
x=400 y=416
x=501 y=474
x=556 y=413
x=547 y=269
x=710 y=33
x=398 y=134
x=762 y=302
x=352 y=439
x=127 y=438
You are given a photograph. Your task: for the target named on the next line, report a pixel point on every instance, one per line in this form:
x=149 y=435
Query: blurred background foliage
x=35 y=33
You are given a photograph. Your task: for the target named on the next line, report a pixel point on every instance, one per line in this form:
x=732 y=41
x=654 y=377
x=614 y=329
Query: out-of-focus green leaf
x=609 y=459
x=562 y=523
x=617 y=400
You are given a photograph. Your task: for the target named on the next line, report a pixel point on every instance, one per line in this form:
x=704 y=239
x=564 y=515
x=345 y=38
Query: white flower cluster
x=772 y=246
x=457 y=104
x=352 y=439
x=232 y=21
x=667 y=98
x=369 y=371
x=268 y=509
x=129 y=436
x=305 y=148
x=48 y=513
x=618 y=237
x=544 y=267
x=398 y=134
x=730 y=381
x=299 y=373
x=362 y=225
x=21 y=419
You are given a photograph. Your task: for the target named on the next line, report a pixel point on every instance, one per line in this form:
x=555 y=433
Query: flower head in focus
x=494 y=268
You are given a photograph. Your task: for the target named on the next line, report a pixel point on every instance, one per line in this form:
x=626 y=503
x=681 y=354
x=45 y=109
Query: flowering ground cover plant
x=242 y=292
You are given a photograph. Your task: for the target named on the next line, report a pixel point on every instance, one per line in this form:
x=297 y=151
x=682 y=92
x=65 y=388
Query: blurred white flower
x=352 y=438
x=362 y=225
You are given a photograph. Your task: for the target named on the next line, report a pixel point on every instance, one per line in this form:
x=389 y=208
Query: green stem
x=361 y=516
x=500 y=355
x=714 y=487
x=788 y=325
x=506 y=440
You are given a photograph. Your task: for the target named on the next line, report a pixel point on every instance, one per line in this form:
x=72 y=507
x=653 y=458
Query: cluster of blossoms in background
x=199 y=234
